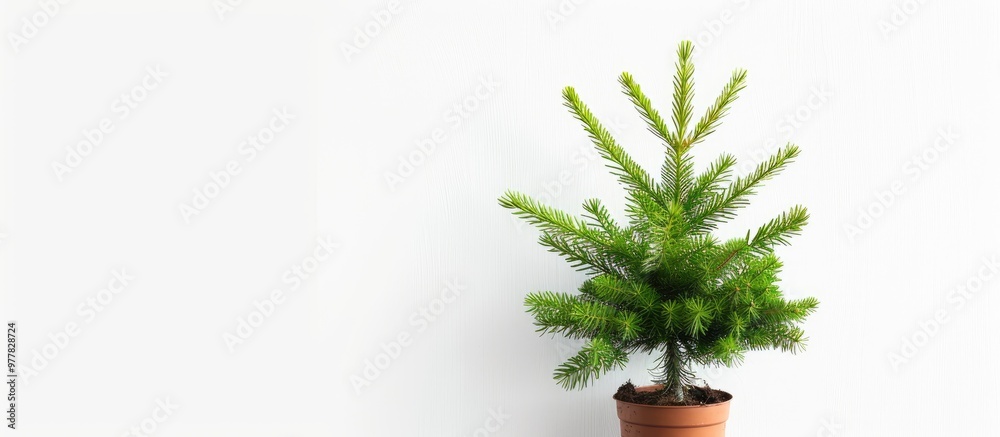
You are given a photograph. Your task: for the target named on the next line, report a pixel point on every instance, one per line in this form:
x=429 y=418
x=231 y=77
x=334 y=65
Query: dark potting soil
x=694 y=395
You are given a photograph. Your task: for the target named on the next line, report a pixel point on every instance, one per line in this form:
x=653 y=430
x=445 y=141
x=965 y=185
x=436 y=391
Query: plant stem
x=674 y=373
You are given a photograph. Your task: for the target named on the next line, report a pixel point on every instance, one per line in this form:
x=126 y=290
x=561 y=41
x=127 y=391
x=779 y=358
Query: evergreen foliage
x=662 y=283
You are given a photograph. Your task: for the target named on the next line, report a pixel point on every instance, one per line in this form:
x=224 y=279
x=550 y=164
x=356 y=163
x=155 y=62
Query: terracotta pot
x=686 y=421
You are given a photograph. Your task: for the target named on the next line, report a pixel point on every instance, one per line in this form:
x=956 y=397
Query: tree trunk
x=675 y=373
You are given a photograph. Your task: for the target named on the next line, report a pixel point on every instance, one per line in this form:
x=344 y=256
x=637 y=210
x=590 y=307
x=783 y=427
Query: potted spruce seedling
x=662 y=283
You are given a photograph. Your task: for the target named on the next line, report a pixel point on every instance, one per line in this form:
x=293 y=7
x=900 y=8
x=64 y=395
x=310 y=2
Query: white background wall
x=881 y=96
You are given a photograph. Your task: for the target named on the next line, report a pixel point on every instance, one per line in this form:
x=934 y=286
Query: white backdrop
x=263 y=218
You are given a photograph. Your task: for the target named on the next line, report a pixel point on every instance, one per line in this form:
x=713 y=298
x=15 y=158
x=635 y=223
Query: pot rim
x=717 y=404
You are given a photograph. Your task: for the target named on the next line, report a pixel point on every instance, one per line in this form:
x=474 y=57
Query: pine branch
x=731 y=253
x=587 y=248
x=723 y=206
x=600 y=216
x=635 y=295
x=728 y=351
x=708 y=122
x=549 y=219
x=737 y=324
x=790 y=339
x=802 y=308
x=776 y=231
x=672 y=315
x=677 y=174
x=599 y=319
x=642 y=104
x=552 y=312
x=787 y=311
x=622 y=246
x=709 y=182
x=785 y=338
x=764 y=267
x=597 y=357
x=755 y=274
x=580 y=317
x=779 y=230
x=669 y=230
x=582 y=256
x=698 y=314
x=694 y=249
x=683 y=93
x=645 y=212
x=621 y=164
x=631 y=326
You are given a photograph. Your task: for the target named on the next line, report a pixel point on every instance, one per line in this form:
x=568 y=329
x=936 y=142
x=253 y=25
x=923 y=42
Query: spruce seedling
x=663 y=283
